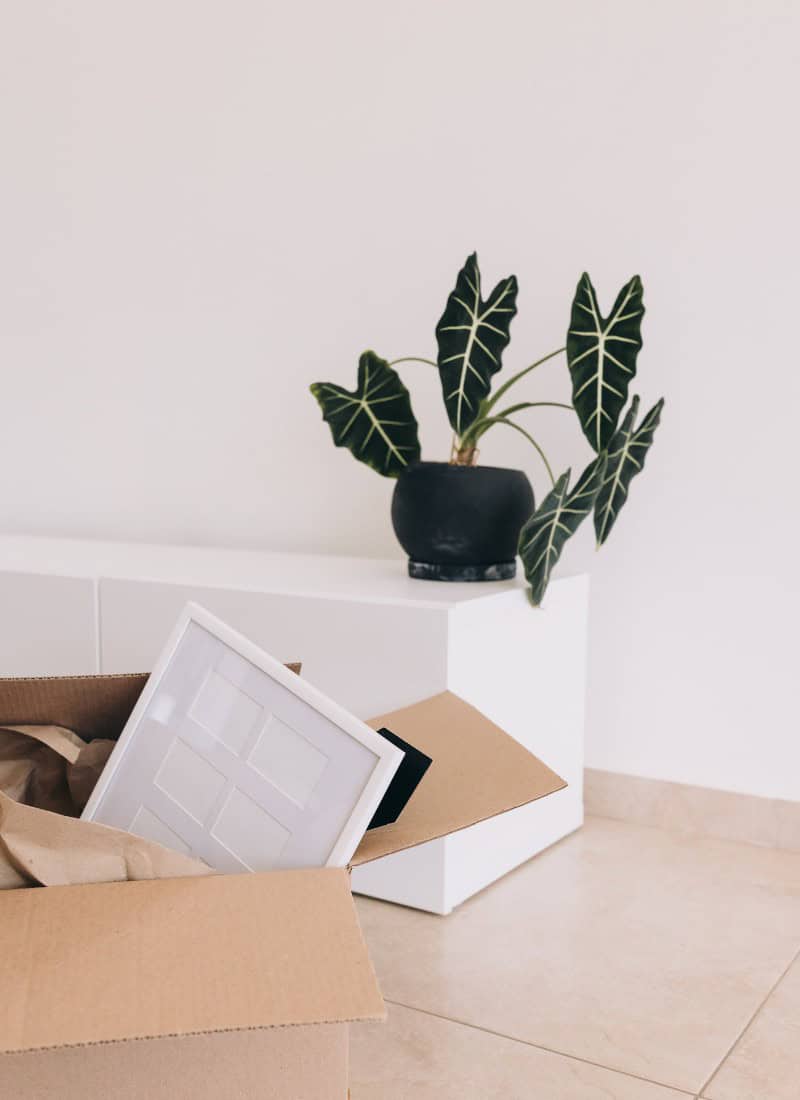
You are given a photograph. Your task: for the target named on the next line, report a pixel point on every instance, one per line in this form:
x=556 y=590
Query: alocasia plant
x=376 y=423
x=601 y=353
x=472 y=335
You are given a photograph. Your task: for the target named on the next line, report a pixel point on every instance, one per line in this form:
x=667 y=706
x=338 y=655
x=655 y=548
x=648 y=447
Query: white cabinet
x=368 y=656
x=47 y=625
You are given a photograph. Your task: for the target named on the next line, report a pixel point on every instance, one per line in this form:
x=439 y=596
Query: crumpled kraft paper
x=46 y=776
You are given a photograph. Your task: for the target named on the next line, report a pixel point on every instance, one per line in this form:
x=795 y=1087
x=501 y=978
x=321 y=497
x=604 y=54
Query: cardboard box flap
x=91 y=706
x=478 y=771
x=116 y=961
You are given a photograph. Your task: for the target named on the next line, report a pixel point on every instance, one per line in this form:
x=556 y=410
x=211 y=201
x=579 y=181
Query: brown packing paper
x=48 y=771
x=40 y=848
x=50 y=767
x=84 y=773
x=46 y=775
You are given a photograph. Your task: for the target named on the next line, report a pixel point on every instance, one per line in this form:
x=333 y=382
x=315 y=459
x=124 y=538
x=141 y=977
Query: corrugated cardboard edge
x=91 y=706
x=155 y=1038
x=478 y=772
x=291 y=944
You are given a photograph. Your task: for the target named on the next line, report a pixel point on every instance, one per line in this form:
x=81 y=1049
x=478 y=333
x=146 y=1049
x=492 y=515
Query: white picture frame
x=331 y=739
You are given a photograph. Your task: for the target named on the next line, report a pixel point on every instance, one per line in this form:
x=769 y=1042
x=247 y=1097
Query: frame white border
x=388 y=757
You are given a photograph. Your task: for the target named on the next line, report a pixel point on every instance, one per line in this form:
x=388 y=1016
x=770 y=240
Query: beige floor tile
x=641 y=950
x=419 y=1057
x=765 y=1064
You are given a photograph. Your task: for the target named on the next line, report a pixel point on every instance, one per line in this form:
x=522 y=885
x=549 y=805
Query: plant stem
x=412 y=359
x=463 y=454
x=516 y=377
x=529 y=437
x=483 y=423
x=488 y=421
x=532 y=405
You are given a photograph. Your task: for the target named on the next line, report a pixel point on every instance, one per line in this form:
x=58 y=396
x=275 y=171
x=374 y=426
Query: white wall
x=206 y=206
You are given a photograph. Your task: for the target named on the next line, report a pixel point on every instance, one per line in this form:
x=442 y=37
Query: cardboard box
x=478 y=771
x=182 y=988
x=240 y=985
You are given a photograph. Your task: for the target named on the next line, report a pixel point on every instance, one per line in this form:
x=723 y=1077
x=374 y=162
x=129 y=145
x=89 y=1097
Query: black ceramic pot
x=460 y=523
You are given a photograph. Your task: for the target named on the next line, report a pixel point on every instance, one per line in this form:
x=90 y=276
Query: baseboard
x=749 y=819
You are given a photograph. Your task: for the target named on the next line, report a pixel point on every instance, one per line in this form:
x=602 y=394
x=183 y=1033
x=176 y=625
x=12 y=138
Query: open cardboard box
x=237 y=985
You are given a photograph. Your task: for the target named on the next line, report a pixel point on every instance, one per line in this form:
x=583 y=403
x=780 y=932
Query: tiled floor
x=626 y=962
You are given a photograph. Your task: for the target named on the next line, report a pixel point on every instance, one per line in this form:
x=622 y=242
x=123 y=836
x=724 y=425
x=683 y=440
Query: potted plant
x=458 y=520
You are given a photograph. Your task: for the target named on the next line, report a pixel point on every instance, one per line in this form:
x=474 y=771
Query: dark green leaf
x=375 y=421
x=471 y=335
x=601 y=353
x=626 y=454
x=556 y=519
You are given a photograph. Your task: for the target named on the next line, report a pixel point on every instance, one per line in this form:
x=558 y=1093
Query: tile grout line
x=748 y=1025
x=539 y=1046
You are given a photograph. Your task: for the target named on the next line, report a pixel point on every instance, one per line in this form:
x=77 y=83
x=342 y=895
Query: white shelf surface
x=373 y=580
